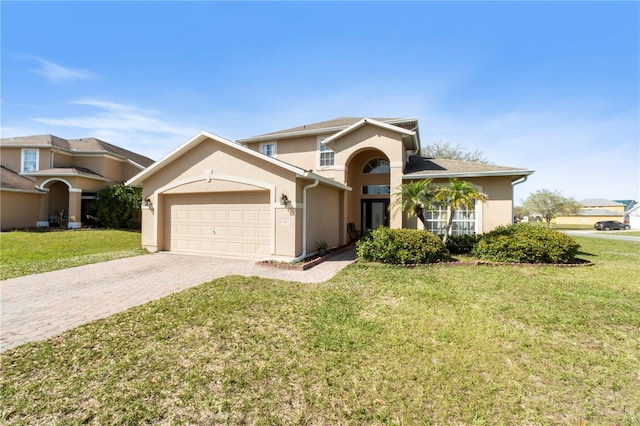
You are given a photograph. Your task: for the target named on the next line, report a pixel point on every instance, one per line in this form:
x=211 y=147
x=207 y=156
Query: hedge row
x=402 y=247
x=519 y=243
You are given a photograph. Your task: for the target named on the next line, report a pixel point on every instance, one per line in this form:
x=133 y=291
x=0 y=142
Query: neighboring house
x=49 y=180
x=633 y=214
x=594 y=210
x=277 y=195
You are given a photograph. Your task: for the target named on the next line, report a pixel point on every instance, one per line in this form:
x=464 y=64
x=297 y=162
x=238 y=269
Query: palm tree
x=416 y=197
x=458 y=194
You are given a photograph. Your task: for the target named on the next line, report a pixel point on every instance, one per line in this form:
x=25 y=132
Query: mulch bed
x=307 y=263
x=578 y=262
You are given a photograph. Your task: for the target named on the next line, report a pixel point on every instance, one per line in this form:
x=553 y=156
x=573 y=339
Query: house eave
x=24 y=191
x=83 y=175
x=515 y=173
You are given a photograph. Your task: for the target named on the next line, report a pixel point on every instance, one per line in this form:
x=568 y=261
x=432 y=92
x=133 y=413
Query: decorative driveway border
x=36 y=307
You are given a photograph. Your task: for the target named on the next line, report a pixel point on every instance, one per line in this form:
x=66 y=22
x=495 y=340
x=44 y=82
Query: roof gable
x=409 y=136
x=203 y=136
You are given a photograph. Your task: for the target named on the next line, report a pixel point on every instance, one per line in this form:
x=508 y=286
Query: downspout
x=417 y=150
x=523 y=179
x=304 y=220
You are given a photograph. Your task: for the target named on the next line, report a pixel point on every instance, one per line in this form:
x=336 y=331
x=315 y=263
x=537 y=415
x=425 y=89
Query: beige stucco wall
x=352 y=152
x=210 y=167
x=21 y=210
x=11 y=158
x=585 y=220
x=302 y=152
x=323 y=217
x=496 y=211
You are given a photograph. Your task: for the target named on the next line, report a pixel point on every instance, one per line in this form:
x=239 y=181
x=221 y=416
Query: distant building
x=594 y=210
x=50 y=180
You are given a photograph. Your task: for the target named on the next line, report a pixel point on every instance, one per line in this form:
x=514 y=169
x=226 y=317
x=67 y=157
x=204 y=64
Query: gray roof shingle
x=334 y=124
x=12 y=180
x=441 y=167
x=79 y=145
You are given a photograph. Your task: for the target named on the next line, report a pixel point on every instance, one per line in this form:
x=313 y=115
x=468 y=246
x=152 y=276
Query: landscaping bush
x=462 y=244
x=526 y=243
x=402 y=247
x=118 y=206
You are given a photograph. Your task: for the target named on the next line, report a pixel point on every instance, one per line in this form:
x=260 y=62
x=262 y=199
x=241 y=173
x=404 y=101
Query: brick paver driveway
x=39 y=306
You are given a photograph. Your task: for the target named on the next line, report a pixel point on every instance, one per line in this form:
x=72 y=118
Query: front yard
x=25 y=253
x=375 y=345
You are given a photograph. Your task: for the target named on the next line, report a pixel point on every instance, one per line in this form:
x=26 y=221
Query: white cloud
x=140 y=130
x=58 y=74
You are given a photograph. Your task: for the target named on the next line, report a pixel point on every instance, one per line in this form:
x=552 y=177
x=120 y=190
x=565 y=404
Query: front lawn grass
x=25 y=253
x=378 y=344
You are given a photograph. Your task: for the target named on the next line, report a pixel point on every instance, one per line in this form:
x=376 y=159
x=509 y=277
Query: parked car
x=608 y=225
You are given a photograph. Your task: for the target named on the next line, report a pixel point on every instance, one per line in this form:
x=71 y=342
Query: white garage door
x=229 y=224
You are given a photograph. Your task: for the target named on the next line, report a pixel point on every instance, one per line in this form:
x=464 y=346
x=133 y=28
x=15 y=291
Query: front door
x=375 y=213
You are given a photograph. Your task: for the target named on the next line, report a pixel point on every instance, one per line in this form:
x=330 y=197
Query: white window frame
x=437 y=220
x=22 y=160
x=323 y=149
x=266 y=144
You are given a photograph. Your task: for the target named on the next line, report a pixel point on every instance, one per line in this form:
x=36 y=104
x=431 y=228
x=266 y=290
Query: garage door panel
x=224 y=224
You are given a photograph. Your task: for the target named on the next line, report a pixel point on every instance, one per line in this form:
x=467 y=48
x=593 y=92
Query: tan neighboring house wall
x=290 y=201
x=67 y=170
x=594 y=210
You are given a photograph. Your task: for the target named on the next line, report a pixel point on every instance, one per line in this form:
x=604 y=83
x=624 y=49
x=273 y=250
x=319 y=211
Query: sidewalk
x=36 y=307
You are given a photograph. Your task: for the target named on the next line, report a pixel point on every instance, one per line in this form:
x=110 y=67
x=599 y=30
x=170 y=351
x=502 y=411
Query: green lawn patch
x=378 y=344
x=24 y=253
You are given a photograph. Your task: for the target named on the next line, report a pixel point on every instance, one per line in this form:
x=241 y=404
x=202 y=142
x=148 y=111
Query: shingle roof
x=12 y=180
x=441 y=167
x=66 y=171
x=78 y=145
x=334 y=124
x=599 y=202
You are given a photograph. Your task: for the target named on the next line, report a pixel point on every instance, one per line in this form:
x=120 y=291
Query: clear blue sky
x=548 y=86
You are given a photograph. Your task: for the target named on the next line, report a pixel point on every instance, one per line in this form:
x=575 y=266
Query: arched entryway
x=63 y=203
x=368 y=174
x=58 y=204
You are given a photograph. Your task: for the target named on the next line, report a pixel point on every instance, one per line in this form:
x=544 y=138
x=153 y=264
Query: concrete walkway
x=36 y=307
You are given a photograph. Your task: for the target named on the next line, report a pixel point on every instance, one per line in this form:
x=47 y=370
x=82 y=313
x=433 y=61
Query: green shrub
x=526 y=243
x=402 y=247
x=118 y=206
x=462 y=244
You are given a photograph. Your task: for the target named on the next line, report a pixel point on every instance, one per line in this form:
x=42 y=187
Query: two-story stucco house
x=44 y=176
x=277 y=195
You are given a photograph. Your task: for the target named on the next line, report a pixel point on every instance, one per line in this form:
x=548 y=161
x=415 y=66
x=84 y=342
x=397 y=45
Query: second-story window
x=29 y=161
x=327 y=156
x=268 y=149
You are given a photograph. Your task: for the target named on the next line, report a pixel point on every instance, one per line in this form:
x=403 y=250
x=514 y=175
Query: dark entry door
x=375 y=213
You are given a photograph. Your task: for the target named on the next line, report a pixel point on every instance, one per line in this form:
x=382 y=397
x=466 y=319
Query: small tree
x=519 y=212
x=416 y=197
x=457 y=195
x=549 y=204
x=444 y=149
x=119 y=206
